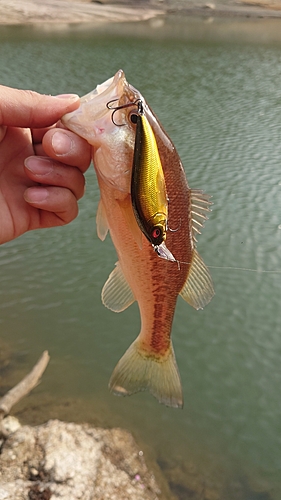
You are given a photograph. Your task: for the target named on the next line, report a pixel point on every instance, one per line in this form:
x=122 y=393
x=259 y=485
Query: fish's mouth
x=88 y=120
x=111 y=89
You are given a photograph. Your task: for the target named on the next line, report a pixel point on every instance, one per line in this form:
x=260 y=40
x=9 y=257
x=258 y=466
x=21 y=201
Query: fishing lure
x=148 y=188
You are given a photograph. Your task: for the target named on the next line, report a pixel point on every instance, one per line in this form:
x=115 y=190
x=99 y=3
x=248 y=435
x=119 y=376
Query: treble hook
x=137 y=102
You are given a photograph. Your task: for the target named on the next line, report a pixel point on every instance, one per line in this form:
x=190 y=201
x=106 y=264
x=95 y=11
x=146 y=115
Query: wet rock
x=241 y=489
x=187 y=483
x=67 y=461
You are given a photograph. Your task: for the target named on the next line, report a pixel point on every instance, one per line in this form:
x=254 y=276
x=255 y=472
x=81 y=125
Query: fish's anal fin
x=129 y=216
x=198 y=289
x=136 y=371
x=200 y=206
x=116 y=294
x=101 y=221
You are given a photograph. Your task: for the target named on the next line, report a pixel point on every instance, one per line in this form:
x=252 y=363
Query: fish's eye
x=134 y=118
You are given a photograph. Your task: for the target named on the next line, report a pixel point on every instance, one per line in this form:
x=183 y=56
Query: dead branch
x=24 y=387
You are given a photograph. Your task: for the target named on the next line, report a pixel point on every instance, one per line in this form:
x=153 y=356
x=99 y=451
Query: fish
x=104 y=120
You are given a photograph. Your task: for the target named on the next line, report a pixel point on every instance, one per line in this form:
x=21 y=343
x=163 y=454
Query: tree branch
x=24 y=387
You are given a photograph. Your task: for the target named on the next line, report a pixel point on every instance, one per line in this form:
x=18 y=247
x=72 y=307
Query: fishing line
x=235 y=268
x=264 y=271
x=245 y=269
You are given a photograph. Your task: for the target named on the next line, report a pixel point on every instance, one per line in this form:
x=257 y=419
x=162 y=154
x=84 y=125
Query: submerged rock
x=67 y=461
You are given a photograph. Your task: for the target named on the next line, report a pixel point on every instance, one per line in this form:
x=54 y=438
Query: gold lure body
x=148 y=188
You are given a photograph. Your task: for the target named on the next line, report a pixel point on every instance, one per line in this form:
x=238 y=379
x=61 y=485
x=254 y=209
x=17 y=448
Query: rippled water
x=217 y=90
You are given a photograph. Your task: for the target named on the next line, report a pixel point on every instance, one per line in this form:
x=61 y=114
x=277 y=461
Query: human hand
x=41 y=167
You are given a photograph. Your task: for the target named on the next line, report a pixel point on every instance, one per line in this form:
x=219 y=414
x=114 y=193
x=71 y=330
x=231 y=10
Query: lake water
x=216 y=87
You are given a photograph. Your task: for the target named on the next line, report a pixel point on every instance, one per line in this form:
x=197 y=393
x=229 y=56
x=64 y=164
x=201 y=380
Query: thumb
x=25 y=108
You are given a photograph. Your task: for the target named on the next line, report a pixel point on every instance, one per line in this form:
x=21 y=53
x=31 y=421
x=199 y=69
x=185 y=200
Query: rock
x=187 y=481
x=210 y=6
x=9 y=425
x=67 y=461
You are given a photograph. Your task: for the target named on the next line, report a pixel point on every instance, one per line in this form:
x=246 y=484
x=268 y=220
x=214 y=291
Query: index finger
x=25 y=108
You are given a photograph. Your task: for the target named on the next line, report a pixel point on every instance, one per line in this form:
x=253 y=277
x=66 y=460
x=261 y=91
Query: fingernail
x=70 y=97
x=38 y=165
x=62 y=144
x=36 y=194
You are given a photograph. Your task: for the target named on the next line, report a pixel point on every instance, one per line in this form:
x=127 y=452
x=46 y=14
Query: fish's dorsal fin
x=198 y=289
x=101 y=221
x=129 y=216
x=200 y=203
x=116 y=293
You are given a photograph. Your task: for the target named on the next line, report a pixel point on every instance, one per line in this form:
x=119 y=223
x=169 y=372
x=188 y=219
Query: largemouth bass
x=104 y=119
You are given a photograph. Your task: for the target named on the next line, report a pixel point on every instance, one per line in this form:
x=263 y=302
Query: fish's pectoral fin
x=137 y=371
x=101 y=221
x=129 y=216
x=116 y=293
x=198 y=289
x=200 y=206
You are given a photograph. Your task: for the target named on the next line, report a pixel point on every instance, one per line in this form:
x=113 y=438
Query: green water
x=216 y=87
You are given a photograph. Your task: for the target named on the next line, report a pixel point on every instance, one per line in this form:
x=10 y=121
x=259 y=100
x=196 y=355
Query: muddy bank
x=104 y=11
x=68 y=11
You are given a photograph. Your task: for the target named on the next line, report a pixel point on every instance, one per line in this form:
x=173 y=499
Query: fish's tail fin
x=136 y=371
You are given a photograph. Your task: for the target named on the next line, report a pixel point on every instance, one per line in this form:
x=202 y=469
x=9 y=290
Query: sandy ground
x=80 y=11
x=71 y=11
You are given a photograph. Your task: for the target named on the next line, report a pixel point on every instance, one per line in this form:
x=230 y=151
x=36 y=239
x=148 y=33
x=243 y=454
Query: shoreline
x=14 y=12
x=54 y=12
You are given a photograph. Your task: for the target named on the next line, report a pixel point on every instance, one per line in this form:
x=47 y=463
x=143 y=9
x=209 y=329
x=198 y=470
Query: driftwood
x=24 y=387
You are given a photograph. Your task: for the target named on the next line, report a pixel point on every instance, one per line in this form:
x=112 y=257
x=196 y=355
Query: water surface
x=216 y=87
